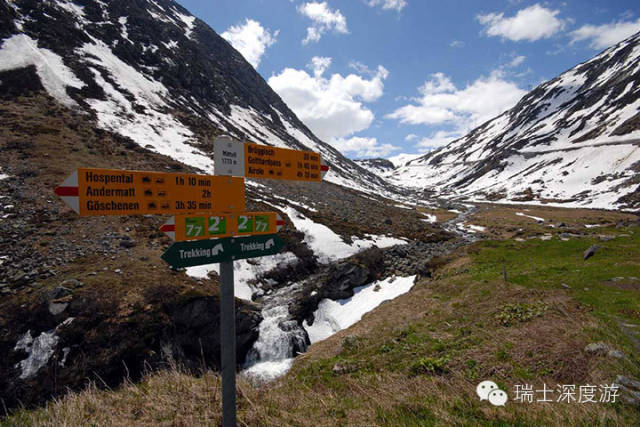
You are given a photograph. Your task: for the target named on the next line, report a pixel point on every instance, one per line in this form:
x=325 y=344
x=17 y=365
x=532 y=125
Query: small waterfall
x=280 y=338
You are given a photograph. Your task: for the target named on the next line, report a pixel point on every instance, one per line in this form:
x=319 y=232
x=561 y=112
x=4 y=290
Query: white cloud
x=456 y=44
x=332 y=107
x=603 y=36
x=442 y=103
x=251 y=39
x=363 y=147
x=319 y=64
x=517 y=61
x=323 y=19
x=410 y=137
x=533 y=23
x=388 y=4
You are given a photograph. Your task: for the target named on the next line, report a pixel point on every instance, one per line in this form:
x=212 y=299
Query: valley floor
x=522 y=308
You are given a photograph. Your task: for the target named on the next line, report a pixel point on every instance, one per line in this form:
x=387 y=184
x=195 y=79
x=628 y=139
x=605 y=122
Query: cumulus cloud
x=363 y=147
x=533 y=23
x=332 y=106
x=442 y=103
x=388 y=4
x=603 y=36
x=251 y=39
x=323 y=19
x=410 y=137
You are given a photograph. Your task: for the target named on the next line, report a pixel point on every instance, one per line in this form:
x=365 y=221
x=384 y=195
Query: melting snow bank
x=329 y=246
x=246 y=270
x=432 y=219
x=39 y=349
x=334 y=316
x=529 y=216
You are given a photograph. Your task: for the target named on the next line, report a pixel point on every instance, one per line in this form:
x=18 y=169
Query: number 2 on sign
x=245 y=223
x=217 y=225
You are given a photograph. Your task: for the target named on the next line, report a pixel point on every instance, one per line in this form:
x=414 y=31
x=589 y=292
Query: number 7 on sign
x=194 y=227
x=261 y=222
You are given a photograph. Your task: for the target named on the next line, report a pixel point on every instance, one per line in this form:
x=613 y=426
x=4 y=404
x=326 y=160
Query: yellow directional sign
x=263 y=161
x=215 y=225
x=98 y=192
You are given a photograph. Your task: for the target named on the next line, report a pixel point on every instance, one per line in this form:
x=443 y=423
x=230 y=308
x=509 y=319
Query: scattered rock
x=591 y=251
x=606 y=238
x=628 y=382
x=564 y=285
x=597 y=349
x=341 y=368
x=629 y=390
x=56 y=308
x=377 y=288
x=616 y=354
x=127 y=243
x=59 y=292
x=72 y=283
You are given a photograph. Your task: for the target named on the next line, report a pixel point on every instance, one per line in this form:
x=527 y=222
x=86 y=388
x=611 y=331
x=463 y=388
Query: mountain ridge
x=514 y=156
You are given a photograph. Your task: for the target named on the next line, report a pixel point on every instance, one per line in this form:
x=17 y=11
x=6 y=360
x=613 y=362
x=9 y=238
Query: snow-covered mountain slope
x=574 y=140
x=150 y=71
x=402 y=159
x=380 y=167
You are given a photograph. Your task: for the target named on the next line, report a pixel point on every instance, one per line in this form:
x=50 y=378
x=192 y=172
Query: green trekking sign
x=201 y=252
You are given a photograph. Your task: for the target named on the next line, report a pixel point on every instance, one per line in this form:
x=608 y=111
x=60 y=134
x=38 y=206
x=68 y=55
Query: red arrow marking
x=168 y=227
x=66 y=191
x=324 y=168
x=280 y=222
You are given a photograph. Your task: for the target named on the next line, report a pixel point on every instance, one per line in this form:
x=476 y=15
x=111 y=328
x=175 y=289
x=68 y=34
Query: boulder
x=597 y=349
x=590 y=252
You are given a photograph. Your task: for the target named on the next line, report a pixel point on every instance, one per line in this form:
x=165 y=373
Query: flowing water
x=280 y=338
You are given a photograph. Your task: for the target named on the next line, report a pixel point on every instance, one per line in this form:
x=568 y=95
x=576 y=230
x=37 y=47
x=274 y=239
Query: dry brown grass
x=451 y=316
x=502 y=222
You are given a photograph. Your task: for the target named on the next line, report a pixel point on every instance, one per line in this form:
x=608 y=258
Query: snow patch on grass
x=334 y=316
x=529 y=216
x=327 y=245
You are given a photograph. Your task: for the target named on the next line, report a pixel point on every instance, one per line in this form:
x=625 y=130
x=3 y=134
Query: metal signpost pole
x=228 y=344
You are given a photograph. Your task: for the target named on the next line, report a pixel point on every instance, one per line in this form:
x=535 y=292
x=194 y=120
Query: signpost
x=210 y=223
x=262 y=161
x=202 y=252
x=99 y=192
x=217 y=225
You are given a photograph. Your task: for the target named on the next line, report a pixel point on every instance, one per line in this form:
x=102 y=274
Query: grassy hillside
x=417 y=359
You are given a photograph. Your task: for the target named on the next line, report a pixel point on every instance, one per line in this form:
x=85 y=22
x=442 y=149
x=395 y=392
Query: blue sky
x=384 y=77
